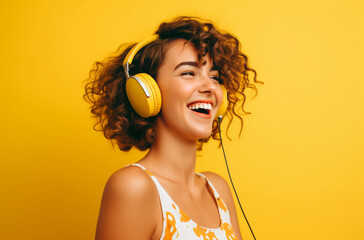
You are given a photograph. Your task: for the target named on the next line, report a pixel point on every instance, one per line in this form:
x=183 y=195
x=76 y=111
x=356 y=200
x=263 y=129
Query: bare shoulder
x=129 y=182
x=219 y=183
x=129 y=195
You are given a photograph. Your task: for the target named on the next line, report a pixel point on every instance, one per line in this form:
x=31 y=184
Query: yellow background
x=298 y=166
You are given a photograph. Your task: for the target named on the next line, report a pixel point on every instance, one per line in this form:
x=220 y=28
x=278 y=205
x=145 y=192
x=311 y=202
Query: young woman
x=184 y=70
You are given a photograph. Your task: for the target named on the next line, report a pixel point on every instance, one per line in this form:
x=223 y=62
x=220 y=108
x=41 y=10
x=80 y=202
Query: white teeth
x=201 y=106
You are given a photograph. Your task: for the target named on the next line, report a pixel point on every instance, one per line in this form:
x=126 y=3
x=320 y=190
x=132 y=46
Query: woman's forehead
x=181 y=50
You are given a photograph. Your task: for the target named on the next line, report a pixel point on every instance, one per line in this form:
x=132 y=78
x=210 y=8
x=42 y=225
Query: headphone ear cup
x=224 y=104
x=144 y=95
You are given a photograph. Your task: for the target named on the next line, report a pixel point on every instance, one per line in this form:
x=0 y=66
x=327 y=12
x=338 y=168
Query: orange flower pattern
x=171 y=228
x=230 y=235
x=205 y=233
x=179 y=226
x=221 y=204
x=184 y=217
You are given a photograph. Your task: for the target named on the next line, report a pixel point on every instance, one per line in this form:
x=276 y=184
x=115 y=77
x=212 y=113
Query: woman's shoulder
x=218 y=182
x=130 y=181
x=221 y=186
x=129 y=196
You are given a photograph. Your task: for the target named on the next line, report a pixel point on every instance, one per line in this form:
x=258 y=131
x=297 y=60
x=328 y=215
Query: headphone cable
x=232 y=184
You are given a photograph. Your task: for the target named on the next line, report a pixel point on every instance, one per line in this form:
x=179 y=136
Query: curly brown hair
x=105 y=90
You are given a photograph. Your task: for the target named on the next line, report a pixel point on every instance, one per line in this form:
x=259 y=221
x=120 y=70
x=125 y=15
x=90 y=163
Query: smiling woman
x=180 y=76
x=187 y=82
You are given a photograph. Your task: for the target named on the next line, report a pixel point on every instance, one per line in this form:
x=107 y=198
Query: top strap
x=216 y=194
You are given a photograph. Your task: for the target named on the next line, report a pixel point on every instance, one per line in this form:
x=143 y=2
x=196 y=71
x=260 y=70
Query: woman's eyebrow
x=189 y=63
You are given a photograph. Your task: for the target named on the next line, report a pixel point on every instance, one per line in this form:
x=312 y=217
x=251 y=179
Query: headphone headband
x=130 y=56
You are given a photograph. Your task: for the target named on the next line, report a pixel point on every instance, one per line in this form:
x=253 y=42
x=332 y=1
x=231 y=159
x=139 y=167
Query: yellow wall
x=298 y=166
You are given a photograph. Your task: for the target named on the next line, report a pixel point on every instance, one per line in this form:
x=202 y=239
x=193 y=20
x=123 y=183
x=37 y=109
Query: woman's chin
x=203 y=134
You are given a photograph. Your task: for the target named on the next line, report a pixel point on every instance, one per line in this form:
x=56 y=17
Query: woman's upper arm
x=128 y=207
x=222 y=187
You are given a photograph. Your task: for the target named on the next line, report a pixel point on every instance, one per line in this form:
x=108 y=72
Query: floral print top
x=178 y=226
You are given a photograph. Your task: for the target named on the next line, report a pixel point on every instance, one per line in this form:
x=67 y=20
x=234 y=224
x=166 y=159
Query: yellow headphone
x=142 y=90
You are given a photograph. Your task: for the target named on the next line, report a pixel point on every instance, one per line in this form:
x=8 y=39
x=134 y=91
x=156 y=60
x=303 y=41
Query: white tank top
x=178 y=226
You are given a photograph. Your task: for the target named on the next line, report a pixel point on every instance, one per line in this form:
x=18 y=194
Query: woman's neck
x=172 y=157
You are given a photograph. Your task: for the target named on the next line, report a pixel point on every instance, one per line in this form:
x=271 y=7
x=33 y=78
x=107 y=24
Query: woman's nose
x=207 y=85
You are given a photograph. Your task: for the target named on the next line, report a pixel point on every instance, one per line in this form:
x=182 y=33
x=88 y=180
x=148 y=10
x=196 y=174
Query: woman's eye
x=216 y=78
x=188 y=74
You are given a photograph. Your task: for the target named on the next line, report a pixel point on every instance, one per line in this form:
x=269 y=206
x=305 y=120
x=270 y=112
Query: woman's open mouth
x=201 y=109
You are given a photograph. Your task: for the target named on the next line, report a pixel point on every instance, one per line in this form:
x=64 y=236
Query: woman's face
x=191 y=94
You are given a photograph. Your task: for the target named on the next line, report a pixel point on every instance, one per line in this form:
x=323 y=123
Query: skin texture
x=130 y=207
